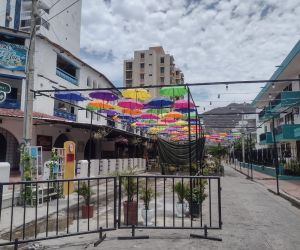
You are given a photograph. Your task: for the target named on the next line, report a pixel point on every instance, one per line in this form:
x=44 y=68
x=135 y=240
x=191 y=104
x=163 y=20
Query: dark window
x=162 y=70
x=128 y=75
x=289 y=118
x=162 y=60
x=142 y=55
x=288 y=88
x=142 y=76
x=162 y=80
x=129 y=66
x=142 y=65
x=150 y=74
x=67 y=67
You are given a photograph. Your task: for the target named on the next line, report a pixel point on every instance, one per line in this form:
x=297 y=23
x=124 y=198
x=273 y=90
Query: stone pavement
x=253 y=218
x=289 y=187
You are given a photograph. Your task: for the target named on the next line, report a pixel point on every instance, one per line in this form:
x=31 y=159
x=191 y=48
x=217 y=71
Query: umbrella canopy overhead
x=173 y=91
x=159 y=102
x=130 y=103
x=149 y=116
x=106 y=95
x=175 y=115
x=183 y=104
x=99 y=104
x=109 y=112
x=185 y=110
x=126 y=117
x=68 y=95
x=131 y=111
x=158 y=111
x=138 y=94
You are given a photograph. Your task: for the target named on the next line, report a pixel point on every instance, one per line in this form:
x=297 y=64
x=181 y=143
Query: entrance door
x=3 y=148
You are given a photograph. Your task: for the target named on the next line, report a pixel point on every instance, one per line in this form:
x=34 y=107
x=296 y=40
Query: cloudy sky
x=210 y=40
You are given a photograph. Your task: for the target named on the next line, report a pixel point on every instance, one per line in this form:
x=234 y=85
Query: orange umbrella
x=99 y=104
x=131 y=111
x=175 y=115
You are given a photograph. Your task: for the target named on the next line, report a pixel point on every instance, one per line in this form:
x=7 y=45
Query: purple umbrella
x=109 y=112
x=106 y=95
x=159 y=102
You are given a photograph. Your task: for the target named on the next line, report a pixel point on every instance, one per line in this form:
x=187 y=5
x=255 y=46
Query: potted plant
x=87 y=210
x=181 y=206
x=195 y=196
x=146 y=195
x=129 y=185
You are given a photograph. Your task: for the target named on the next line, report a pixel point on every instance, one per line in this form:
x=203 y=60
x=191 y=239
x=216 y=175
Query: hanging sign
x=4 y=89
x=12 y=56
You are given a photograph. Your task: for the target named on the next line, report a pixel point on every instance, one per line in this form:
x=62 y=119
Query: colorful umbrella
x=131 y=111
x=109 y=112
x=175 y=115
x=158 y=111
x=68 y=95
x=126 y=117
x=167 y=120
x=130 y=103
x=99 y=104
x=183 y=104
x=159 y=102
x=106 y=95
x=185 y=110
x=140 y=94
x=173 y=91
x=181 y=122
x=149 y=116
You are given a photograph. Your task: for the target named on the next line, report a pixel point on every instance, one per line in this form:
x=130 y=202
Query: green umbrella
x=192 y=115
x=158 y=111
x=149 y=121
x=173 y=91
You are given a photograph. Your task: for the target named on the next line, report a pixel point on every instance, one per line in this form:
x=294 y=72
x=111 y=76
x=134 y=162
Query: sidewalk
x=289 y=189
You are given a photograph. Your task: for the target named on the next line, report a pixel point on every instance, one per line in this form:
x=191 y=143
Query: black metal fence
x=287 y=158
x=39 y=210
x=170 y=202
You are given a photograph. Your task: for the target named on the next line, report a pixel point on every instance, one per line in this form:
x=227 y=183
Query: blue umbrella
x=126 y=117
x=109 y=112
x=68 y=95
x=158 y=102
x=185 y=110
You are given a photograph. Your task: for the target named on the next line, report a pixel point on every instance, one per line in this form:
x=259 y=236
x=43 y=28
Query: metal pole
x=250 y=159
x=28 y=108
x=275 y=157
x=90 y=146
x=189 y=124
x=243 y=141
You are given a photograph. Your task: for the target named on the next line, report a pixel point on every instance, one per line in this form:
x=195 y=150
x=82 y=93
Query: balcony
x=287 y=132
x=66 y=76
x=266 y=138
x=265 y=114
x=64 y=114
x=10 y=104
x=285 y=99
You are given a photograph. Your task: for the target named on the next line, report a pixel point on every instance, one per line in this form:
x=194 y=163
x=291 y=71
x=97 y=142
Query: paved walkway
x=289 y=187
x=253 y=218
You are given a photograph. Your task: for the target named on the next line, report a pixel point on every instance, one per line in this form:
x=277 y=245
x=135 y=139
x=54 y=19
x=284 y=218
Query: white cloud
x=210 y=40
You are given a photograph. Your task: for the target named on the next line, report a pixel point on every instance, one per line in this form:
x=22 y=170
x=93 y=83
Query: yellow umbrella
x=141 y=94
x=175 y=115
x=181 y=122
x=99 y=104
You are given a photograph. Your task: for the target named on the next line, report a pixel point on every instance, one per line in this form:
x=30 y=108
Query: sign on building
x=12 y=56
x=4 y=88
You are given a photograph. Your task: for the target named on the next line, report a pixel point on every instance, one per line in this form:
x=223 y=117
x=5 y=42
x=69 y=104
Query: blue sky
x=210 y=40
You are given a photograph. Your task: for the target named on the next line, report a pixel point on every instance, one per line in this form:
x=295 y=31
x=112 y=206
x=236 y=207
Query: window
x=289 y=118
x=142 y=65
x=128 y=75
x=162 y=70
x=162 y=60
x=142 y=76
x=66 y=70
x=162 y=80
x=142 y=55
x=150 y=64
x=89 y=82
x=288 y=88
x=94 y=84
x=150 y=74
x=128 y=65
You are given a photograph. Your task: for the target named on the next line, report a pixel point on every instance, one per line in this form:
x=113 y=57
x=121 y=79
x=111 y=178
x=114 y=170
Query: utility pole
x=243 y=140
x=28 y=108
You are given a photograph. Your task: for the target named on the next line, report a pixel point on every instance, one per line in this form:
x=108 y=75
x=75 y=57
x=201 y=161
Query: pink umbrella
x=149 y=116
x=130 y=103
x=168 y=120
x=183 y=104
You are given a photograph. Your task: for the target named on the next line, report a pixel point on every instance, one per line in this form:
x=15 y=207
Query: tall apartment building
x=151 y=67
x=62 y=29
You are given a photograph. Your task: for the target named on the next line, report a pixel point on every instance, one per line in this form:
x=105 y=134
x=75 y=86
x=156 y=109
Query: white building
x=54 y=121
x=63 y=28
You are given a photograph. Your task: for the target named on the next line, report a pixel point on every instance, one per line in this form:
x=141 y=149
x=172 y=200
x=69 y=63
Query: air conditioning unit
x=296 y=110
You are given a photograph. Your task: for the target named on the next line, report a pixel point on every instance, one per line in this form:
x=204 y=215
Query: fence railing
x=41 y=210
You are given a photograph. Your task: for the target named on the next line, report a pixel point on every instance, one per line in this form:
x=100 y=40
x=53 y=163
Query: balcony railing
x=10 y=104
x=266 y=138
x=64 y=114
x=265 y=114
x=287 y=132
x=61 y=73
